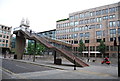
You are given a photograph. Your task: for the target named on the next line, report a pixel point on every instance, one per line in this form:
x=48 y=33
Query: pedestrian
x=30 y=32
x=106 y=59
x=74 y=64
x=88 y=60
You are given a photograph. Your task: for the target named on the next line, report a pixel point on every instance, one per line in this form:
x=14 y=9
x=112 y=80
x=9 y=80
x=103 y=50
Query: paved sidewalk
x=94 y=71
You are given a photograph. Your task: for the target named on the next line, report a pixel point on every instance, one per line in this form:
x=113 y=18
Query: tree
x=31 y=49
x=39 y=48
x=81 y=46
x=102 y=47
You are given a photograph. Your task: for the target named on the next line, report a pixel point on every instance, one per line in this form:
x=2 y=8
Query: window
x=98 y=33
x=118 y=23
x=82 y=28
x=71 y=23
x=76 y=23
x=105 y=17
x=119 y=31
x=112 y=24
x=6 y=41
x=86 y=28
x=112 y=10
x=76 y=17
x=92 y=13
x=3 y=40
x=71 y=17
x=112 y=31
x=4 y=32
x=111 y=39
x=98 y=12
x=76 y=29
x=86 y=21
x=67 y=24
x=107 y=48
x=87 y=14
x=81 y=15
x=81 y=22
x=87 y=34
x=98 y=19
x=112 y=16
x=81 y=35
x=4 y=36
x=75 y=42
x=105 y=11
x=111 y=48
x=98 y=40
x=86 y=41
x=92 y=20
x=99 y=26
x=2 y=44
x=75 y=35
x=92 y=27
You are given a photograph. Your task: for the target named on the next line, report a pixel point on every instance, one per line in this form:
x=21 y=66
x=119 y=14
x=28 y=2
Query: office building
x=5 y=35
x=49 y=33
x=92 y=26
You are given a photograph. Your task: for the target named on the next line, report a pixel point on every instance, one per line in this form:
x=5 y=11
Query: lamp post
x=115 y=44
x=34 y=51
x=118 y=57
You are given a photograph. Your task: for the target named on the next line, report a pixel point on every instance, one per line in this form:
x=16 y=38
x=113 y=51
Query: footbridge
x=58 y=46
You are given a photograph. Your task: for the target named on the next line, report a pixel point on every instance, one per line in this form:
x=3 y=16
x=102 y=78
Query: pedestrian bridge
x=58 y=46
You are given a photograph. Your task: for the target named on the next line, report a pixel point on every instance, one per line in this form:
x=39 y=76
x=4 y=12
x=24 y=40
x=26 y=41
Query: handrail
x=26 y=29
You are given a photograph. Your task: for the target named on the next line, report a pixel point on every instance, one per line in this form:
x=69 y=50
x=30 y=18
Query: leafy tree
x=39 y=48
x=33 y=51
x=102 y=47
x=81 y=46
x=31 y=48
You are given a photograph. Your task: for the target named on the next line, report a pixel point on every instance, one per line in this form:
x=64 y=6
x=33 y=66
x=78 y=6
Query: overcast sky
x=43 y=14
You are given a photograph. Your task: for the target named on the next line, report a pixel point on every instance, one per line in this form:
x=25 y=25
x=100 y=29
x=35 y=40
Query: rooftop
x=62 y=20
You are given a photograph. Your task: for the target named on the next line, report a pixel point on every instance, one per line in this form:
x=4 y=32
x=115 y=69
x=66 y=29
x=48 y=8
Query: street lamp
x=115 y=44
